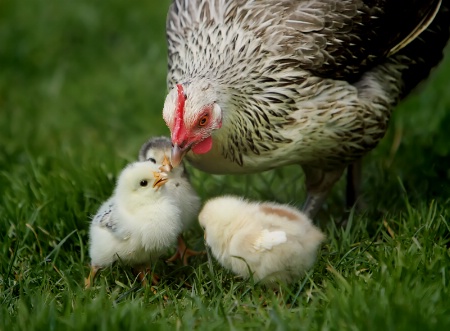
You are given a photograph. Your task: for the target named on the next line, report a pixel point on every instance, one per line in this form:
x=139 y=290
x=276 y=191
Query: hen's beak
x=162 y=176
x=178 y=153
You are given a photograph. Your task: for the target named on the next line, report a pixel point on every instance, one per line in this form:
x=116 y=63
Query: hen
x=255 y=85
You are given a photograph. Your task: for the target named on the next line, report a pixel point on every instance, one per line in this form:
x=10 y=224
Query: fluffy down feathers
x=138 y=223
x=179 y=185
x=276 y=242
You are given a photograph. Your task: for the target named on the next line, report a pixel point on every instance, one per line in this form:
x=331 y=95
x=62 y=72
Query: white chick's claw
x=158 y=150
x=276 y=242
x=137 y=224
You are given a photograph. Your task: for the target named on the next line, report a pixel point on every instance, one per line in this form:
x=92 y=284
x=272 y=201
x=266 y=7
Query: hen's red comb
x=179 y=130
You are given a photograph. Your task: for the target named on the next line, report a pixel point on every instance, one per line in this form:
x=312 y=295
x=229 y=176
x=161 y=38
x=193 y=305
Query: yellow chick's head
x=220 y=211
x=135 y=183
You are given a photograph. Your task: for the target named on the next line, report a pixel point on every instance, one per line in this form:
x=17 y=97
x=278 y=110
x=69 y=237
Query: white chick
x=276 y=242
x=156 y=150
x=137 y=224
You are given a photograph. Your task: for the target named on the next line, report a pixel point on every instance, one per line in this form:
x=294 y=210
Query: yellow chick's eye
x=203 y=120
x=143 y=183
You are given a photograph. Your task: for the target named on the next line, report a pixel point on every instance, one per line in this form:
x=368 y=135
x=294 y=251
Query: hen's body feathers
x=309 y=82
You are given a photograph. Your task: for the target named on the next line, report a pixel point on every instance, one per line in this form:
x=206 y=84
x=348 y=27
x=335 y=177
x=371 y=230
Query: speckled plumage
x=309 y=82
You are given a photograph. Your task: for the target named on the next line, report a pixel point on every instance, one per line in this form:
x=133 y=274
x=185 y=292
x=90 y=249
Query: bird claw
x=183 y=253
x=89 y=281
x=142 y=273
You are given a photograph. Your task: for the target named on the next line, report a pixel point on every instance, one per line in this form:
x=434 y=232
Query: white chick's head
x=154 y=151
x=135 y=183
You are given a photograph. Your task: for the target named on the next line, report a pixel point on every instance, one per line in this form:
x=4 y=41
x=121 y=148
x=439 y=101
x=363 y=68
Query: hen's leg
x=183 y=252
x=354 y=172
x=354 y=182
x=318 y=185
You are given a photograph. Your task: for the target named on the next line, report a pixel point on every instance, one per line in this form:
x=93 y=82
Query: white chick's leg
x=142 y=272
x=183 y=252
x=89 y=281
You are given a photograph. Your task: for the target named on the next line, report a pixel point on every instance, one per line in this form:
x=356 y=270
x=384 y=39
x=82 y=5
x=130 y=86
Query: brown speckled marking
x=267 y=209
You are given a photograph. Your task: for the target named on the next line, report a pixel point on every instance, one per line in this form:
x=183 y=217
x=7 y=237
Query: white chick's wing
x=269 y=239
x=107 y=218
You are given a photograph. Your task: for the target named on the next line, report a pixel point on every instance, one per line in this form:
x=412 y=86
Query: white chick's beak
x=162 y=176
x=166 y=166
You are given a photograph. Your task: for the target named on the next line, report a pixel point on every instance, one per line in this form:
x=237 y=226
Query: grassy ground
x=81 y=88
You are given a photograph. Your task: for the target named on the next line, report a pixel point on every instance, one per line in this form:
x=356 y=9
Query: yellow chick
x=139 y=223
x=157 y=150
x=276 y=242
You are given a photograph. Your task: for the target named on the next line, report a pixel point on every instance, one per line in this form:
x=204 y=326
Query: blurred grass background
x=82 y=84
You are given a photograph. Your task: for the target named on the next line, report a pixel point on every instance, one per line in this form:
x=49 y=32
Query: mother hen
x=259 y=84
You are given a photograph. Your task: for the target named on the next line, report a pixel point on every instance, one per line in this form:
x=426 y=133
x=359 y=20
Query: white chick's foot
x=89 y=281
x=183 y=252
x=141 y=274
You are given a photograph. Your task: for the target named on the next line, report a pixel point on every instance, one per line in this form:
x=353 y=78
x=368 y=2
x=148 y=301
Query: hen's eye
x=203 y=120
x=143 y=183
x=151 y=160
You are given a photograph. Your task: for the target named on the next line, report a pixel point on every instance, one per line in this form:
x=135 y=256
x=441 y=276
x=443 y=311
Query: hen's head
x=192 y=114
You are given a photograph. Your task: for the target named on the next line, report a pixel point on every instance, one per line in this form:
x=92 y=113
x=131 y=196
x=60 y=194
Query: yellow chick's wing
x=107 y=218
x=268 y=239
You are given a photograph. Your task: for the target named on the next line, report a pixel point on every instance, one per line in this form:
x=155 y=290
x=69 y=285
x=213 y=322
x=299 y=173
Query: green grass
x=82 y=85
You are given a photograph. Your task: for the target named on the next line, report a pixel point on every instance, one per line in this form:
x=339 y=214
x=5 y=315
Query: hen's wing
x=341 y=39
x=331 y=38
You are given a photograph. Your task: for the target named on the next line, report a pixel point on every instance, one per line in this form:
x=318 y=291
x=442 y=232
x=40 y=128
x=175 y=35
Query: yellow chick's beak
x=162 y=176
x=160 y=179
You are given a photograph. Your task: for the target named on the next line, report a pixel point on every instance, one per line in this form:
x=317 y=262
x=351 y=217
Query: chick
x=156 y=150
x=137 y=224
x=275 y=242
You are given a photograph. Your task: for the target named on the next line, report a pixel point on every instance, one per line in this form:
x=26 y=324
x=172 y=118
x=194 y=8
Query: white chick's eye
x=143 y=183
x=151 y=160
